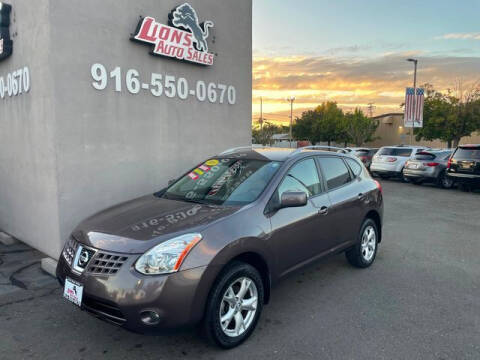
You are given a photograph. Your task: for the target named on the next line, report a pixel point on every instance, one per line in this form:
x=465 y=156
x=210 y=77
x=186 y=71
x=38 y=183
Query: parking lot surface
x=420 y=300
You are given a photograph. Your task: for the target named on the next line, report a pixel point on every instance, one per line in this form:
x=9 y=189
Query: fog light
x=150 y=317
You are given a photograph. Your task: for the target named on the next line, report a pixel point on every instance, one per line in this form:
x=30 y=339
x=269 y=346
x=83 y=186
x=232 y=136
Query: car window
x=395 y=152
x=335 y=172
x=425 y=156
x=303 y=176
x=467 y=153
x=354 y=166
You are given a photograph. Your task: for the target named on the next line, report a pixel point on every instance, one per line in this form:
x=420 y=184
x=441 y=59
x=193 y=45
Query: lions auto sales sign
x=184 y=38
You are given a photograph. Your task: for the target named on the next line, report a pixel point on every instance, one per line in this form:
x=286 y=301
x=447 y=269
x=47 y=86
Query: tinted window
x=467 y=153
x=355 y=166
x=224 y=181
x=335 y=172
x=425 y=156
x=303 y=176
x=395 y=152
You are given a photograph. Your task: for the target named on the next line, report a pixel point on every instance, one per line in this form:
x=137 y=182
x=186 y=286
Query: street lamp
x=415 y=61
x=291 y=99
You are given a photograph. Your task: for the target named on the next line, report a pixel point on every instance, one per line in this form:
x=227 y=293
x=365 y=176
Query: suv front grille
x=106 y=264
x=100 y=262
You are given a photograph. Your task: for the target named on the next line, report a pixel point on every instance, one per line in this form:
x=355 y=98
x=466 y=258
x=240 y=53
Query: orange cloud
x=348 y=81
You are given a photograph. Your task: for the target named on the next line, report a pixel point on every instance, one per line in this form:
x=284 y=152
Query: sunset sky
x=354 y=51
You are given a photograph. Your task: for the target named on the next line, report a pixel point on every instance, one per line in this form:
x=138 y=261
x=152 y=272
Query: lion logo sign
x=185 y=17
x=184 y=38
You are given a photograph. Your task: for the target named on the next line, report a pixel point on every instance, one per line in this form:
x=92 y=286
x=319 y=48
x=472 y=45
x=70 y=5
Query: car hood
x=137 y=225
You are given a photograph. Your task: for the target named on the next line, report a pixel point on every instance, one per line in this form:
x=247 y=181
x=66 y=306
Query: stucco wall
x=103 y=147
x=28 y=182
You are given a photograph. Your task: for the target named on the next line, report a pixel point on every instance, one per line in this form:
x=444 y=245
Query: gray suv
x=208 y=248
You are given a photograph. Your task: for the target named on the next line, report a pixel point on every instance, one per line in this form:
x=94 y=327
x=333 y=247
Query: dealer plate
x=73 y=291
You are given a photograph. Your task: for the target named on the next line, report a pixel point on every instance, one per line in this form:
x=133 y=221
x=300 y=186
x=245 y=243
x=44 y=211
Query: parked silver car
x=429 y=166
x=389 y=161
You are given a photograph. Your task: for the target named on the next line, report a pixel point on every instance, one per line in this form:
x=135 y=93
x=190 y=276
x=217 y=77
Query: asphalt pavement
x=420 y=300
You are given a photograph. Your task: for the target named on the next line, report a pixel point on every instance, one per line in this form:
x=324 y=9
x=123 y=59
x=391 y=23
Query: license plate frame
x=73 y=291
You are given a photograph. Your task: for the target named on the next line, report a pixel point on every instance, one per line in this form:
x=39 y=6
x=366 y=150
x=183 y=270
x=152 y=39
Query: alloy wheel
x=447 y=183
x=369 y=243
x=238 y=306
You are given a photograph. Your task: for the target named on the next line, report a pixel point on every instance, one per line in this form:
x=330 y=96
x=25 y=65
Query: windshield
x=224 y=182
x=395 y=151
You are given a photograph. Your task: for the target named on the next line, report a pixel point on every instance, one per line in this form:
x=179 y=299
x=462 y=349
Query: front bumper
x=179 y=298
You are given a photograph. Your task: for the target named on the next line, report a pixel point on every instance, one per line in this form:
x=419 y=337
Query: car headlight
x=168 y=256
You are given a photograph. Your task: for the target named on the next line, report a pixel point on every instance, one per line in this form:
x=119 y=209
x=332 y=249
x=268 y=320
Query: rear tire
x=237 y=307
x=444 y=181
x=363 y=254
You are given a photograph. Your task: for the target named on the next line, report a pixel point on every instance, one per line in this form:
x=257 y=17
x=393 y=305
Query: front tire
x=234 y=305
x=363 y=254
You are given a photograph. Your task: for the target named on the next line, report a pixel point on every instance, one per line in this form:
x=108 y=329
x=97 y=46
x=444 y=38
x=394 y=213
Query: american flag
x=414 y=108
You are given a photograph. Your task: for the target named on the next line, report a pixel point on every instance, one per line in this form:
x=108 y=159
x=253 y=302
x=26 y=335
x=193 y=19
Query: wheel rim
x=369 y=243
x=238 y=307
x=446 y=182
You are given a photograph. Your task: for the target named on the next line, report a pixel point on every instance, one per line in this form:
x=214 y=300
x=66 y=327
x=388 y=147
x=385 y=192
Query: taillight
x=431 y=164
x=391 y=159
x=379 y=186
x=449 y=163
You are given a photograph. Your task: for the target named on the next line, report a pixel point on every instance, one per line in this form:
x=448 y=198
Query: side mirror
x=293 y=199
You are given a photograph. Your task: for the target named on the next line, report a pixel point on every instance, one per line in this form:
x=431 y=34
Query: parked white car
x=389 y=161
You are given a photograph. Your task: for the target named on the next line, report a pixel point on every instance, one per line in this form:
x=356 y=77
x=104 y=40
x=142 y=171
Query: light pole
x=415 y=61
x=291 y=99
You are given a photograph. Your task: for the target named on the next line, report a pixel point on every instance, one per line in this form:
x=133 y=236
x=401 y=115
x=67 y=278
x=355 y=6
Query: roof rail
x=313 y=147
x=229 y=151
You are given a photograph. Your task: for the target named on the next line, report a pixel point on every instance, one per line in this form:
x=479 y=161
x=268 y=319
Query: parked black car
x=429 y=166
x=464 y=167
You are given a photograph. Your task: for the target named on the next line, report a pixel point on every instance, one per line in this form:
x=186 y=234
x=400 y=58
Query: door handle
x=323 y=210
x=361 y=196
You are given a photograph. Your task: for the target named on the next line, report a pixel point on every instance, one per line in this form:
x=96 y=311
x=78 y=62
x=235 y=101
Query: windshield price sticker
x=160 y=85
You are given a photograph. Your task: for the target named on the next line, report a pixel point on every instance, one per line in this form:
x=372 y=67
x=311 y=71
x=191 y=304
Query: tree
x=450 y=116
x=264 y=134
x=359 y=128
x=329 y=126
x=303 y=127
x=324 y=123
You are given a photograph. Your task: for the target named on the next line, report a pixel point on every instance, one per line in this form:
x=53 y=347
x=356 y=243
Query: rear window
x=395 y=152
x=362 y=152
x=425 y=156
x=467 y=153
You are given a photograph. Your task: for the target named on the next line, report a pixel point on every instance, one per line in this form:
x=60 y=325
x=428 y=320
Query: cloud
x=461 y=36
x=353 y=82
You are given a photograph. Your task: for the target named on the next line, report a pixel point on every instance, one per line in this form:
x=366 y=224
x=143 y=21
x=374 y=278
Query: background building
x=89 y=118
x=391 y=131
